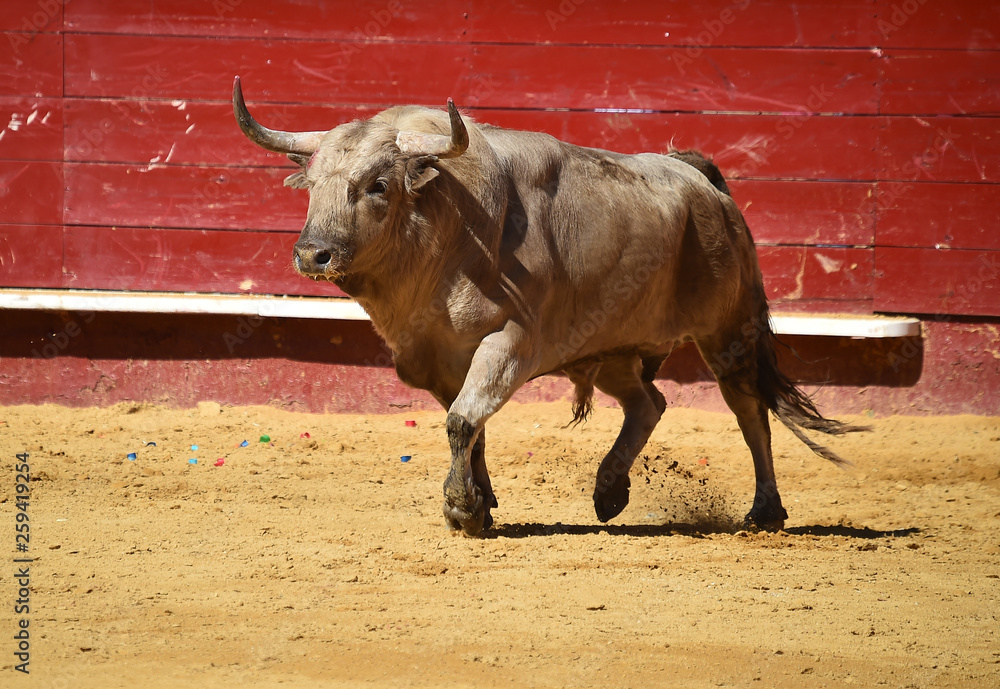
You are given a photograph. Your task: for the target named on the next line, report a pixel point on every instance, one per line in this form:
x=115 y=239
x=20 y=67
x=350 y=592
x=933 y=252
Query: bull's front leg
x=503 y=362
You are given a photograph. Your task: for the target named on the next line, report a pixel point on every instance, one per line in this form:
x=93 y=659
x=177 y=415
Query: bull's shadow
x=692 y=529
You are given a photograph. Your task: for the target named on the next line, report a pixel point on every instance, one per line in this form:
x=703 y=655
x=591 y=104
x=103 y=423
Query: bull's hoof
x=611 y=500
x=488 y=519
x=768 y=517
x=471 y=517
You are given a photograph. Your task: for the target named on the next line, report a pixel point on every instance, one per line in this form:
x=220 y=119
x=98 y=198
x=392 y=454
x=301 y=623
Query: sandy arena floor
x=324 y=561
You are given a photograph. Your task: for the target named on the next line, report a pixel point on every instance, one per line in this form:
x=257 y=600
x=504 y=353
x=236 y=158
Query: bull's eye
x=380 y=187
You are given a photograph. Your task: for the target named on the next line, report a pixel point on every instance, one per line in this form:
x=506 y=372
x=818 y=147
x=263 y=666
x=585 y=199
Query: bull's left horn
x=303 y=143
x=418 y=143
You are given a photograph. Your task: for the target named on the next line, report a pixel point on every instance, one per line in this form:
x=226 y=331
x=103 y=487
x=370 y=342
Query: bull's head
x=363 y=179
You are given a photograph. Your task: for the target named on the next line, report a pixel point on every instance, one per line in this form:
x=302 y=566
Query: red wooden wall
x=862 y=136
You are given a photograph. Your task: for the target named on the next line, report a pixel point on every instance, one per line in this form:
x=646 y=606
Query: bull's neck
x=410 y=297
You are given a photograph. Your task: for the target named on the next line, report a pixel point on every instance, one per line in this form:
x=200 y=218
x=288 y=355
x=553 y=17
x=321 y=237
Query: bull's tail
x=792 y=406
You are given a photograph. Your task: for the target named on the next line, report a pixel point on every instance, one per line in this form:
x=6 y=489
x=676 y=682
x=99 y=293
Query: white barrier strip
x=337 y=308
x=340 y=308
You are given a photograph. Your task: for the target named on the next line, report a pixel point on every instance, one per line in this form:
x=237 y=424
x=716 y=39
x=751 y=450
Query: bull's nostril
x=322 y=258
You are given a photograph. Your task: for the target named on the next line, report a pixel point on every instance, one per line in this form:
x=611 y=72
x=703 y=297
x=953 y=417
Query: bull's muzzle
x=315 y=261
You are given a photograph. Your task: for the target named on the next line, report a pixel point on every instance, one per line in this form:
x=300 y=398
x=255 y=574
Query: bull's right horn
x=450 y=146
x=303 y=143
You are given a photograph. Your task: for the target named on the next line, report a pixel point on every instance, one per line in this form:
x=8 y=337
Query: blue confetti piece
x=192 y=461
x=194 y=448
x=131 y=456
x=150 y=443
x=405 y=458
x=244 y=444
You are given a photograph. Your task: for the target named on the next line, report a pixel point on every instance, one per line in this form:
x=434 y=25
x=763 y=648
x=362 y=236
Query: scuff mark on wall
x=829 y=265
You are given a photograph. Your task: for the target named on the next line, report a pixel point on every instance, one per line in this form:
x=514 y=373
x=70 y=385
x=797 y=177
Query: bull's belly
x=590 y=339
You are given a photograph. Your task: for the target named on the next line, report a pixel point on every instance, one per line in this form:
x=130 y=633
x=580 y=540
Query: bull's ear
x=420 y=171
x=297 y=180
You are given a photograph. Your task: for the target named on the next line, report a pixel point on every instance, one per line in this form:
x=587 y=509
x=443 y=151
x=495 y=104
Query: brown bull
x=486 y=257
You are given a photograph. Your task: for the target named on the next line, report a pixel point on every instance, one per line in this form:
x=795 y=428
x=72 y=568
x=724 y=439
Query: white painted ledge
x=845 y=325
x=336 y=308
x=340 y=308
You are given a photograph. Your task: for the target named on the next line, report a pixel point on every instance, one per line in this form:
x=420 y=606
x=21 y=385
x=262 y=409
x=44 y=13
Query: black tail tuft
x=583 y=406
x=792 y=406
x=582 y=376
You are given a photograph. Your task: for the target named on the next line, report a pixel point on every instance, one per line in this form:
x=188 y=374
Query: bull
x=486 y=257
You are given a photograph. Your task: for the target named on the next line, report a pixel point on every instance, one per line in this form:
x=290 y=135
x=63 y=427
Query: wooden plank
x=944 y=149
x=813 y=274
x=955 y=25
x=31 y=192
x=784 y=146
x=31 y=64
x=32 y=16
x=847 y=23
x=689 y=26
x=182 y=196
x=806 y=147
x=34 y=128
x=786 y=212
x=720 y=79
x=189 y=133
x=358 y=21
x=185 y=260
x=940 y=82
x=580 y=77
x=917 y=280
x=932 y=215
x=31 y=255
x=184 y=68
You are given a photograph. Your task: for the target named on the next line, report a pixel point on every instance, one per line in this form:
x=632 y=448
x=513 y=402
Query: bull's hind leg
x=738 y=383
x=623 y=379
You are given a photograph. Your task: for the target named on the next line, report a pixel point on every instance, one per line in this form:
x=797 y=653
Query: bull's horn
x=303 y=143
x=418 y=143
